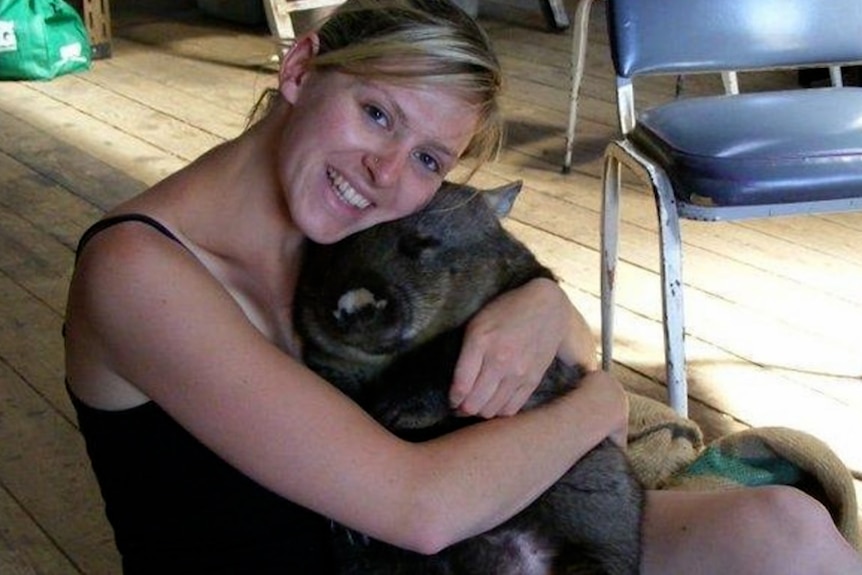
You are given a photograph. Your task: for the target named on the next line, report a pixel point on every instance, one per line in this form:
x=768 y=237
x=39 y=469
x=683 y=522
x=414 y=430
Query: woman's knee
x=751 y=530
x=790 y=523
x=785 y=512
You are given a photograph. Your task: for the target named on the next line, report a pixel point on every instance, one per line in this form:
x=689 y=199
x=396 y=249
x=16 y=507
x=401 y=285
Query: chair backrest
x=690 y=36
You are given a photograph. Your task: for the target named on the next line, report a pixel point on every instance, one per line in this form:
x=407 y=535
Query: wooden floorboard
x=772 y=307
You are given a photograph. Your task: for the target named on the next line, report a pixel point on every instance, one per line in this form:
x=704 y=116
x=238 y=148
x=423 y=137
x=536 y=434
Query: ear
x=503 y=198
x=294 y=65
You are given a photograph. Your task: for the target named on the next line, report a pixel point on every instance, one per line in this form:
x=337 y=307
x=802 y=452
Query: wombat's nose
x=358 y=304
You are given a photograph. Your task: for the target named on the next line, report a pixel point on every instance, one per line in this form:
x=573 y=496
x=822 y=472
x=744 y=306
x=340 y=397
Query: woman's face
x=356 y=152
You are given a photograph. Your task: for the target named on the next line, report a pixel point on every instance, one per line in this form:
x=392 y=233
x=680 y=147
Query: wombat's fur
x=382 y=315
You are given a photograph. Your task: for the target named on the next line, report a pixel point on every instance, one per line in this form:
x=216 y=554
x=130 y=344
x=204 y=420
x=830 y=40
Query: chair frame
x=279 y=20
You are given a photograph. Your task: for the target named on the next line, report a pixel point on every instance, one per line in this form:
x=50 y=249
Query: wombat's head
x=388 y=289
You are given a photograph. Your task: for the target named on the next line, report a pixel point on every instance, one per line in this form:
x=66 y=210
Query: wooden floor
x=774 y=308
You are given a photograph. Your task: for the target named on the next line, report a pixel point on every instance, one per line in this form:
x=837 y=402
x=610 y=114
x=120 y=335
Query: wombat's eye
x=416 y=246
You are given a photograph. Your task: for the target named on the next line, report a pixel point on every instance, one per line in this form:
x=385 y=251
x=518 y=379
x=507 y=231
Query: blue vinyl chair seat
x=797 y=146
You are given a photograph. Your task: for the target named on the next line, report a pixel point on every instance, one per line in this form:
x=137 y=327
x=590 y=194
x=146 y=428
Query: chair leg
x=610 y=228
x=672 y=299
x=835 y=76
x=579 y=53
x=555 y=14
x=279 y=22
x=730 y=80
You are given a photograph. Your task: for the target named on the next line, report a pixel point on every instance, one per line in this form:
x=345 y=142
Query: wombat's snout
x=371 y=313
x=359 y=304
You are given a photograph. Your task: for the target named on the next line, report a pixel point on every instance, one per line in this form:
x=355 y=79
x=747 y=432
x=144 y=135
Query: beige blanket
x=668 y=452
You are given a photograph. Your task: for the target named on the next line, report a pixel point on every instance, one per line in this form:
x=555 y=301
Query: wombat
x=382 y=315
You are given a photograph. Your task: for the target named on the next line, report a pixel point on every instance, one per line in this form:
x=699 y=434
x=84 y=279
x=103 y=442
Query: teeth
x=346 y=192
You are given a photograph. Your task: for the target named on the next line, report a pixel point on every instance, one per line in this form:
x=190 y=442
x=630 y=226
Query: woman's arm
x=510 y=344
x=148 y=314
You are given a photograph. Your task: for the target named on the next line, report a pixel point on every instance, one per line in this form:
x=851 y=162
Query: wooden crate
x=97 y=19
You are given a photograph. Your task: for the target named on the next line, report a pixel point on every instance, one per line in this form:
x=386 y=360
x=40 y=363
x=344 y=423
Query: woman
x=217 y=451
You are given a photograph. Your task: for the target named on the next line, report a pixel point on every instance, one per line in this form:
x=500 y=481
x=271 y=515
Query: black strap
x=118 y=219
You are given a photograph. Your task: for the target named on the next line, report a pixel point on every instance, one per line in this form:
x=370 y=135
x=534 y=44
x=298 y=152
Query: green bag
x=41 y=39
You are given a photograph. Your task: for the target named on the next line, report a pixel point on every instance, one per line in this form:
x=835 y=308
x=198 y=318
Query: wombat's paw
x=424 y=411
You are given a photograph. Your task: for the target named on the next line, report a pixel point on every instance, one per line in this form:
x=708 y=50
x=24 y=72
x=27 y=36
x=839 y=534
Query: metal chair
x=279 y=19
x=728 y=157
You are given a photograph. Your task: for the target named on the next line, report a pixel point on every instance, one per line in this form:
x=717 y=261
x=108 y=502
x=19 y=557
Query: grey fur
x=382 y=313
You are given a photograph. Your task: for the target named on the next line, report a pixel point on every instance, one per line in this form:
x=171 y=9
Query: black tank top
x=176 y=507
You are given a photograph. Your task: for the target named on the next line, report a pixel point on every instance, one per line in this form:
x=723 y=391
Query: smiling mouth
x=346 y=193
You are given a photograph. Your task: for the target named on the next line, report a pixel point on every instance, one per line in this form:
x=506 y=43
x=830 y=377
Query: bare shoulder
x=136 y=295
x=131 y=266
x=119 y=288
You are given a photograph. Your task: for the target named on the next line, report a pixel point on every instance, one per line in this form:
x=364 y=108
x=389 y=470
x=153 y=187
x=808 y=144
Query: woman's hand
x=510 y=344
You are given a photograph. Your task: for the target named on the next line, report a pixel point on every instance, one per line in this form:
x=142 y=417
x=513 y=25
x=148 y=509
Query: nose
x=385 y=166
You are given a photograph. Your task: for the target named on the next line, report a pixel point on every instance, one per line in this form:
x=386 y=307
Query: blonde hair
x=429 y=43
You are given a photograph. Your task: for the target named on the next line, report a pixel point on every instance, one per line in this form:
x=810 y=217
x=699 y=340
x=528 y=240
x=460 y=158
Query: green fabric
x=750 y=472
x=41 y=39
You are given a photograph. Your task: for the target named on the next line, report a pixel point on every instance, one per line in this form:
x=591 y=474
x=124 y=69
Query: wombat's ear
x=503 y=198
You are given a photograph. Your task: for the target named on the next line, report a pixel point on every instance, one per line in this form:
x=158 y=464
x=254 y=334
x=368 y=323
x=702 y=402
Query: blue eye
x=429 y=161
x=377 y=115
